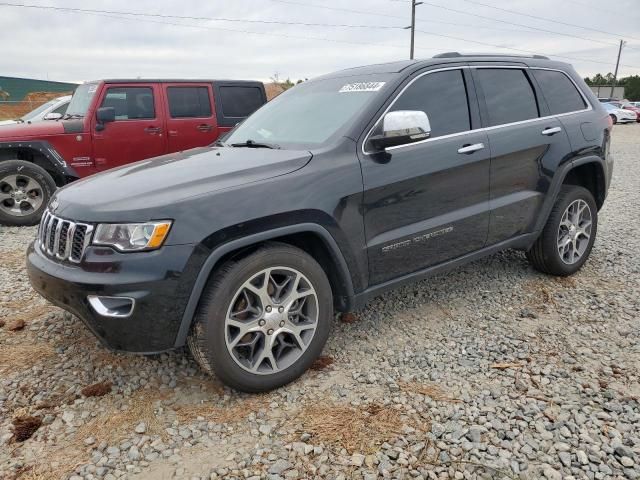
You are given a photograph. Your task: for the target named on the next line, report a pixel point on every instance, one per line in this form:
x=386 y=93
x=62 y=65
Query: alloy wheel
x=20 y=195
x=574 y=232
x=271 y=320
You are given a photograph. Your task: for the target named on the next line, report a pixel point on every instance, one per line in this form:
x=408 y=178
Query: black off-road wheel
x=263 y=319
x=25 y=190
x=567 y=238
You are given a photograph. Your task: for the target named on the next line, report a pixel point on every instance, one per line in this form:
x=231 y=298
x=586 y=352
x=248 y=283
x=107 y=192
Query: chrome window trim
x=476 y=130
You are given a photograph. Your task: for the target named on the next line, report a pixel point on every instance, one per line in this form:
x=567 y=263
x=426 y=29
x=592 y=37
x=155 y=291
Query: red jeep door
x=191 y=121
x=138 y=131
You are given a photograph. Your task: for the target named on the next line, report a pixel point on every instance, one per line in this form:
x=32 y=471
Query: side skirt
x=522 y=242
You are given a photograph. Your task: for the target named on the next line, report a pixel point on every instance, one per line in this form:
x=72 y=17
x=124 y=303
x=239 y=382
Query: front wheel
x=25 y=190
x=614 y=119
x=263 y=319
x=567 y=238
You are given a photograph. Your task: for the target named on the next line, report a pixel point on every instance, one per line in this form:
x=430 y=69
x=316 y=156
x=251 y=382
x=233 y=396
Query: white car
x=52 y=110
x=619 y=115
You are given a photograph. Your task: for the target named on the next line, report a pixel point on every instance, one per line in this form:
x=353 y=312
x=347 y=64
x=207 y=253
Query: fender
x=556 y=184
x=218 y=253
x=47 y=151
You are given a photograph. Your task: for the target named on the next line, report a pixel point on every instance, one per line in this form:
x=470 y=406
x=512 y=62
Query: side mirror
x=400 y=128
x=52 y=116
x=105 y=115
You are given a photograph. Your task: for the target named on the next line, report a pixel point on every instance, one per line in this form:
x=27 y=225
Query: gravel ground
x=490 y=371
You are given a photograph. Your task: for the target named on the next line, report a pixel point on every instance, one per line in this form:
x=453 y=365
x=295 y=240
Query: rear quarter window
x=240 y=101
x=189 y=102
x=561 y=94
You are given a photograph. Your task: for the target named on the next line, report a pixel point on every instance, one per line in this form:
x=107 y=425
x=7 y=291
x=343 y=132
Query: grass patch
x=15 y=358
x=357 y=429
x=432 y=391
x=213 y=412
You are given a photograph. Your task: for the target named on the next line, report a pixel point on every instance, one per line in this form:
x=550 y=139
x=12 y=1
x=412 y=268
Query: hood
x=8 y=122
x=151 y=188
x=31 y=131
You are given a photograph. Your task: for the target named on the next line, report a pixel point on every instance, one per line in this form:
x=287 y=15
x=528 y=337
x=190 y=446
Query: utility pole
x=414 y=4
x=615 y=74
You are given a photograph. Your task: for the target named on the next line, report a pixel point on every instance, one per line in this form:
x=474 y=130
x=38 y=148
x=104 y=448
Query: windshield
x=82 y=99
x=309 y=114
x=34 y=113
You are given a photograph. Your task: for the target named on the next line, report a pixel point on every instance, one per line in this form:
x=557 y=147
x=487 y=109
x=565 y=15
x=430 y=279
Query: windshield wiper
x=253 y=144
x=69 y=116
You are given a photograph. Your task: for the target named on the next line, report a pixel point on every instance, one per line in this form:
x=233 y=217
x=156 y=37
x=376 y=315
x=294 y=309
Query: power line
x=120 y=16
x=184 y=17
x=385 y=15
x=475 y=2
x=249 y=32
x=519 y=24
x=527 y=27
x=519 y=49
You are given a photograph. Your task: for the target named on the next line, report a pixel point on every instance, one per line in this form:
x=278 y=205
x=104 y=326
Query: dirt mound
x=12 y=110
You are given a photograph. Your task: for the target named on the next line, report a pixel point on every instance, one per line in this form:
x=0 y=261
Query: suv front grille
x=63 y=239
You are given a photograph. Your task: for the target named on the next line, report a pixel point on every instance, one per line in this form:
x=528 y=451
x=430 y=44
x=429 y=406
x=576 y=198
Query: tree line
x=631 y=84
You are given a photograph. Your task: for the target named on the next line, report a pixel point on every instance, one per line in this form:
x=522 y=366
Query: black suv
x=337 y=190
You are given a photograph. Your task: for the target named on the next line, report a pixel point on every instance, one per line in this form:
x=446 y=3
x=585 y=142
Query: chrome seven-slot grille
x=63 y=239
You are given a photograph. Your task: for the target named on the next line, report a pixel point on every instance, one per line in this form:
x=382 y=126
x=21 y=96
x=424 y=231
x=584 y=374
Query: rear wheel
x=25 y=190
x=614 y=119
x=567 y=238
x=263 y=319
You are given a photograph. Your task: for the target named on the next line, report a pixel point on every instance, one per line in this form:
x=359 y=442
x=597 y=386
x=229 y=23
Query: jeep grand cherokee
x=340 y=188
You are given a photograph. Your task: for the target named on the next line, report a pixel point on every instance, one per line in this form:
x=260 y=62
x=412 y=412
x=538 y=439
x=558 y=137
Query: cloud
x=72 y=46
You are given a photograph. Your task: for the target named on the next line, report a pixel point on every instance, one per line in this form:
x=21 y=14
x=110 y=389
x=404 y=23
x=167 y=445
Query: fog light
x=119 y=307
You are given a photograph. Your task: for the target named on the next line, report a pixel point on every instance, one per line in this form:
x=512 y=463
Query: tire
x=545 y=254
x=32 y=184
x=231 y=292
x=614 y=119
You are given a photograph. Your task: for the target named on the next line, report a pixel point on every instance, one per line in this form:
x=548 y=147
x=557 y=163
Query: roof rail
x=458 y=54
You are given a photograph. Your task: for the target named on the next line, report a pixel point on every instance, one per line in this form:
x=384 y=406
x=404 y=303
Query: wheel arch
x=42 y=154
x=309 y=237
x=588 y=171
x=589 y=175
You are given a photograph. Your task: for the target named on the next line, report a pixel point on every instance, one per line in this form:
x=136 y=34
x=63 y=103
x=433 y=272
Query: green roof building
x=13 y=89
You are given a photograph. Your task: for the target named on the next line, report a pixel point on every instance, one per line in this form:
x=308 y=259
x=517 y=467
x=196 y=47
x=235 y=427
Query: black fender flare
x=558 y=180
x=218 y=253
x=45 y=149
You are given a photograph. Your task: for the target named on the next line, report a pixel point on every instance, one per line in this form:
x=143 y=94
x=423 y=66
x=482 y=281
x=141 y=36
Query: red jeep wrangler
x=111 y=123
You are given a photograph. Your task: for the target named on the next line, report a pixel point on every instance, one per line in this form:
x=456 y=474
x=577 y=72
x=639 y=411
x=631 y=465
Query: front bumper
x=160 y=283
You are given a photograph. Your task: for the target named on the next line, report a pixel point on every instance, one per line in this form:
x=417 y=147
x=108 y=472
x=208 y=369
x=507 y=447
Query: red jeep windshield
x=82 y=99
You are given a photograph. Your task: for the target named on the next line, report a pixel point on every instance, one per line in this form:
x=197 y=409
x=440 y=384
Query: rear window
x=189 y=102
x=508 y=94
x=561 y=93
x=240 y=102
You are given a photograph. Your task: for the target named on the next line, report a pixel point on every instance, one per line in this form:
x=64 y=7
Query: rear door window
x=239 y=101
x=189 y=102
x=131 y=103
x=508 y=94
x=443 y=97
x=561 y=93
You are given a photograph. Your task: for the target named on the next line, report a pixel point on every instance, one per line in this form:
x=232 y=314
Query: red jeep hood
x=30 y=131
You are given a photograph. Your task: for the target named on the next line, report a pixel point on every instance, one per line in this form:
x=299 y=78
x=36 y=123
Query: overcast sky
x=59 y=45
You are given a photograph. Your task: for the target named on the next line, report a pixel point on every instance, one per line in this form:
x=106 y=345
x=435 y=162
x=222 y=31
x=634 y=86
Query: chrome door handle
x=551 y=131
x=467 y=149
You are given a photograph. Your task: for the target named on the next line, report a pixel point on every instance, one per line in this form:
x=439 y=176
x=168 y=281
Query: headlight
x=132 y=237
